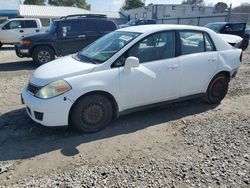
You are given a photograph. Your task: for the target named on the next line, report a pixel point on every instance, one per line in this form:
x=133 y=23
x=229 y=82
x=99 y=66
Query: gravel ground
x=188 y=144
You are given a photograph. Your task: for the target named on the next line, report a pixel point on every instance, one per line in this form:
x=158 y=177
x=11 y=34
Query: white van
x=11 y=30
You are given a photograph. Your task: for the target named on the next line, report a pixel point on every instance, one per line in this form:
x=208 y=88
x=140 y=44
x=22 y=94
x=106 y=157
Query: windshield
x=131 y=22
x=52 y=27
x=215 y=26
x=6 y=21
x=105 y=47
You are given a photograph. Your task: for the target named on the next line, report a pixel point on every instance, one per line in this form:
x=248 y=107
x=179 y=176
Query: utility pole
x=229 y=12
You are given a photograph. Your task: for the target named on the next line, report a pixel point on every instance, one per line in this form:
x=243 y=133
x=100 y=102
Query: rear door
x=199 y=61
x=30 y=27
x=73 y=35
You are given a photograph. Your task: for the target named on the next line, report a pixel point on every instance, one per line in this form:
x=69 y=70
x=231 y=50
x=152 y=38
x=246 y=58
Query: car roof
x=227 y=23
x=23 y=19
x=162 y=27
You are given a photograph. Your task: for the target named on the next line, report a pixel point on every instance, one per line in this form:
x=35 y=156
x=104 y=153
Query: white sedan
x=130 y=69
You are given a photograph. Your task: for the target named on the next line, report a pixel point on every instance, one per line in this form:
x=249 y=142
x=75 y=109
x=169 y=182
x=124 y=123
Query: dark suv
x=238 y=29
x=138 y=22
x=65 y=36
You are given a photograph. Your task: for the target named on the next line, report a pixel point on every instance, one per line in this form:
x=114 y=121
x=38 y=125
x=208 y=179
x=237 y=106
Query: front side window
x=152 y=48
x=105 y=47
x=15 y=24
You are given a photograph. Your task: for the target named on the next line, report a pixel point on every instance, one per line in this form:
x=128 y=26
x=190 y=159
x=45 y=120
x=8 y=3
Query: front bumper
x=48 y=112
x=22 y=51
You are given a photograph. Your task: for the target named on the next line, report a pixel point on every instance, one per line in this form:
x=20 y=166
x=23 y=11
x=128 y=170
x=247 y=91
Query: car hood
x=232 y=39
x=124 y=25
x=61 y=68
x=37 y=36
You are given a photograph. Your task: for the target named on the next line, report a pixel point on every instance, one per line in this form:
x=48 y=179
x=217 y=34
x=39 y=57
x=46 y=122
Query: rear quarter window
x=106 y=26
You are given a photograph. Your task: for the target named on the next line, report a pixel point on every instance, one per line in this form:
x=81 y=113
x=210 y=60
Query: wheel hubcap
x=92 y=114
x=44 y=56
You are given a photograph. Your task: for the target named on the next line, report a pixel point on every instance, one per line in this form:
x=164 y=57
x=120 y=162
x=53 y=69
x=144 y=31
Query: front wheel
x=43 y=54
x=217 y=89
x=91 y=113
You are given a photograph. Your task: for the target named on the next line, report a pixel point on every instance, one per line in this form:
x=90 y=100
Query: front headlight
x=53 y=89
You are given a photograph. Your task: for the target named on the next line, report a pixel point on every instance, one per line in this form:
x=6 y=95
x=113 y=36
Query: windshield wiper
x=85 y=58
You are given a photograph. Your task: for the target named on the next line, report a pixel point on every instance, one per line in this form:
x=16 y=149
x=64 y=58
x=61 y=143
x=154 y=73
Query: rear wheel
x=1 y=44
x=91 y=113
x=43 y=54
x=217 y=89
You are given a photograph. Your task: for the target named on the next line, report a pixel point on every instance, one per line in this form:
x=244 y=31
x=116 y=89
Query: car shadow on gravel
x=16 y=66
x=21 y=138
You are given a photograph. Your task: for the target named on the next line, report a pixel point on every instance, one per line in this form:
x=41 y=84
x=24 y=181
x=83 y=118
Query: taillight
x=241 y=56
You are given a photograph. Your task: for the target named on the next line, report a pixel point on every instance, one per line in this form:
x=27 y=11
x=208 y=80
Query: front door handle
x=21 y=31
x=37 y=30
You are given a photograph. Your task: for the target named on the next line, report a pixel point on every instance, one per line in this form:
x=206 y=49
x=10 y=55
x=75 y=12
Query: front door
x=157 y=78
x=12 y=31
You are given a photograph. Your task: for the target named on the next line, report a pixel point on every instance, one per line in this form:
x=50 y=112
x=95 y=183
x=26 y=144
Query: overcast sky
x=114 y=5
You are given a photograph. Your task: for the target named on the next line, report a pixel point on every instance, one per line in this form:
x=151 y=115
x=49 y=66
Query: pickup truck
x=11 y=30
x=232 y=28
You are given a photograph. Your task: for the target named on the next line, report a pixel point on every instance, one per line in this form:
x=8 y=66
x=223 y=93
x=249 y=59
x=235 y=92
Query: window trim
x=203 y=33
x=175 y=42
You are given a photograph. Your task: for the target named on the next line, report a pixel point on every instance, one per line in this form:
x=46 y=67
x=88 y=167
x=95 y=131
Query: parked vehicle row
x=239 y=29
x=65 y=36
x=131 y=69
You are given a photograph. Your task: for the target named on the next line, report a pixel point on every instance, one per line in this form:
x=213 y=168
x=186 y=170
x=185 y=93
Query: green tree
x=70 y=3
x=221 y=7
x=131 y=4
x=193 y=2
x=34 y=2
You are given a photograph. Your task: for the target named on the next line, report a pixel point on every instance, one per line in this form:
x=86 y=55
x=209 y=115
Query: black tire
x=217 y=89
x=91 y=113
x=43 y=54
x=1 y=44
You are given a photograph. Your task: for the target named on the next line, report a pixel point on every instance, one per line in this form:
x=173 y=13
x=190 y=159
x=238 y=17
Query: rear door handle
x=37 y=30
x=212 y=59
x=21 y=31
x=172 y=67
x=81 y=36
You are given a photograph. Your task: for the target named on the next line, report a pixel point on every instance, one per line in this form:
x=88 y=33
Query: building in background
x=48 y=13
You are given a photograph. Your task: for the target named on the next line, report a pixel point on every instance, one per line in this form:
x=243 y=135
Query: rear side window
x=71 y=28
x=106 y=26
x=30 y=24
x=192 y=42
x=195 y=42
x=88 y=26
x=209 y=44
x=237 y=27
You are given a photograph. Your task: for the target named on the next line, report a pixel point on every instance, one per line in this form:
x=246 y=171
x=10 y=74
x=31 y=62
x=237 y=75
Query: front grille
x=33 y=88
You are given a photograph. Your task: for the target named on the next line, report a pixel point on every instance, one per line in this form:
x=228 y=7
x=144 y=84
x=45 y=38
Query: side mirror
x=131 y=62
